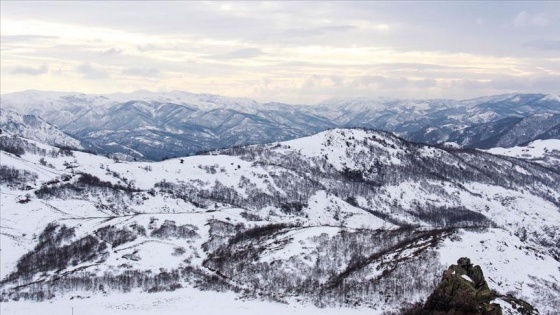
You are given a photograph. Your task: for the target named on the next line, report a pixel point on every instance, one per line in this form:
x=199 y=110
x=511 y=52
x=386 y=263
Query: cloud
x=393 y=83
x=30 y=70
x=546 y=84
x=25 y=38
x=112 y=51
x=400 y=66
x=141 y=72
x=366 y=82
x=318 y=31
x=305 y=50
x=544 y=44
x=322 y=81
x=146 y=47
x=90 y=72
x=525 y=19
x=509 y=84
x=244 y=53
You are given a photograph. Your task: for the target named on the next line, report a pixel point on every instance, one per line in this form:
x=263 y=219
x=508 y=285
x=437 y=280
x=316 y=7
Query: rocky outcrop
x=517 y=306
x=463 y=290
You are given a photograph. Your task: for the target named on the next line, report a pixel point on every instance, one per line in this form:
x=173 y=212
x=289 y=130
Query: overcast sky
x=295 y=52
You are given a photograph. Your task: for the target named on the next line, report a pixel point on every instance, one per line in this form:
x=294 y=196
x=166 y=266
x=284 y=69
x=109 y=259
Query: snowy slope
x=306 y=221
x=545 y=152
x=35 y=128
x=183 y=301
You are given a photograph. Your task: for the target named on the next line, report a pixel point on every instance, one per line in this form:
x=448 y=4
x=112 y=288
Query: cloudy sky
x=295 y=52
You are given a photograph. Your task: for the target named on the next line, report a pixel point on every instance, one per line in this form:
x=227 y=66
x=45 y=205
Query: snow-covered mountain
x=347 y=217
x=506 y=132
x=35 y=128
x=170 y=124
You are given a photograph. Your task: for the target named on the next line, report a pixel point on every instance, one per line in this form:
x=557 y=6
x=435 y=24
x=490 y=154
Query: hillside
x=35 y=128
x=346 y=217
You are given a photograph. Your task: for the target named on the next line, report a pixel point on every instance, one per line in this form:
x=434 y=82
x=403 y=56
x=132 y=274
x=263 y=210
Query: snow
x=26 y=101
x=536 y=150
x=507 y=309
x=323 y=208
x=332 y=144
x=503 y=256
x=299 y=244
x=35 y=128
x=23 y=221
x=182 y=301
x=504 y=259
x=212 y=121
x=551 y=97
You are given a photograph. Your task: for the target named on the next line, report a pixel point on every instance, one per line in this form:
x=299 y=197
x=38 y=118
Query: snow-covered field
x=184 y=301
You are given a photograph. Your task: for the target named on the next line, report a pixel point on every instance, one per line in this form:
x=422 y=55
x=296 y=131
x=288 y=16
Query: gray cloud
x=89 y=72
x=112 y=51
x=31 y=71
x=141 y=72
x=295 y=23
x=544 y=44
x=26 y=38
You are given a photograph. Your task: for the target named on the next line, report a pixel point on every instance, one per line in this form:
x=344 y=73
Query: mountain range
x=153 y=126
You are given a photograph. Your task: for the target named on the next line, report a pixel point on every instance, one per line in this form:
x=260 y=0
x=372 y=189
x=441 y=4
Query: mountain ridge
x=180 y=123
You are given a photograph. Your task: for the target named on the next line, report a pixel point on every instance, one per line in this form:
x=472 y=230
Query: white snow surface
x=184 y=301
x=541 y=151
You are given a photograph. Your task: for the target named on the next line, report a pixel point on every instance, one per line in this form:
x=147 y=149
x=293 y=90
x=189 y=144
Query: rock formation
x=464 y=291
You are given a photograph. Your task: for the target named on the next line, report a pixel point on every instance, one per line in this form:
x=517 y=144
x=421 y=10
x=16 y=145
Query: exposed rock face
x=517 y=306
x=463 y=290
